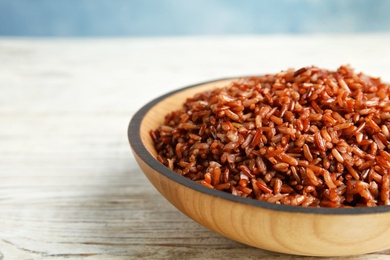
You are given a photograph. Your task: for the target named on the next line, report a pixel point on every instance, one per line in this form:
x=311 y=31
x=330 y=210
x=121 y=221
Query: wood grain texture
x=69 y=184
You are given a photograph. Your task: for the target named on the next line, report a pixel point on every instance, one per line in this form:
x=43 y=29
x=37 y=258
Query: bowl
x=280 y=228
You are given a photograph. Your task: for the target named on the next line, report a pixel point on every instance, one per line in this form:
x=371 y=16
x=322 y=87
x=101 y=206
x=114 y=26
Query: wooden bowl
x=287 y=229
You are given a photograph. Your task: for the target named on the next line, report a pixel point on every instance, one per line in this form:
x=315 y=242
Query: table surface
x=69 y=184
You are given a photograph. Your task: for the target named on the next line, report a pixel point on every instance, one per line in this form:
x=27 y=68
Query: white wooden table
x=69 y=184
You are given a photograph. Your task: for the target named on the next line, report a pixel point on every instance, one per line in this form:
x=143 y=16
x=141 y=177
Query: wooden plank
x=69 y=185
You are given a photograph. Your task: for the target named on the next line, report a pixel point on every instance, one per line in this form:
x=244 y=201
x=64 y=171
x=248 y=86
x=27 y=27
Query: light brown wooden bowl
x=287 y=229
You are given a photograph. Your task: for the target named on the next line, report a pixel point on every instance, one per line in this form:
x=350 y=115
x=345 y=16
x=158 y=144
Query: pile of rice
x=309 y=137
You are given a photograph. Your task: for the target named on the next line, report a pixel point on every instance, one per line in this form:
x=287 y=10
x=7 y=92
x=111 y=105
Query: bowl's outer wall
x=294 y=232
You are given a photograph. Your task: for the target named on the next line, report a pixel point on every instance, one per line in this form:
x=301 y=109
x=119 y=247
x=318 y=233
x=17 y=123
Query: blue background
x=190 y=17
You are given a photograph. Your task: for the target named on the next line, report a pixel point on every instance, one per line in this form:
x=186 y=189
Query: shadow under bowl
x=280 y=228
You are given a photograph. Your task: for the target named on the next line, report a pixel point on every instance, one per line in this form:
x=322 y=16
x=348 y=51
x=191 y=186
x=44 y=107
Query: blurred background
x=123 y=18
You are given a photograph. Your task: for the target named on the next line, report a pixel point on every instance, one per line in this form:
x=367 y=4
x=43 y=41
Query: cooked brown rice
x=309 y=137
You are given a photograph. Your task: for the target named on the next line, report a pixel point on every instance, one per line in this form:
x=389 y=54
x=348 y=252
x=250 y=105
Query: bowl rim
x=134 y=138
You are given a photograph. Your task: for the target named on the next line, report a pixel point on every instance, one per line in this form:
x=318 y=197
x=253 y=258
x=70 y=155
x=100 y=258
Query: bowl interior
x=151 y=116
